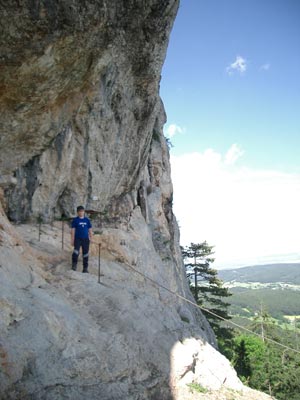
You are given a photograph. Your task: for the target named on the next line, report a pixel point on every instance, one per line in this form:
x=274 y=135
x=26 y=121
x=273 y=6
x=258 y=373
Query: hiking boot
x=74 y=267
x=85 y=271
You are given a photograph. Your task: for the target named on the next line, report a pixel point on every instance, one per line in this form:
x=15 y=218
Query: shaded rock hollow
x=82 y=124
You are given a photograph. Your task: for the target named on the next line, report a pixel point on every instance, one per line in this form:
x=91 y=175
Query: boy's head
x=80 y=211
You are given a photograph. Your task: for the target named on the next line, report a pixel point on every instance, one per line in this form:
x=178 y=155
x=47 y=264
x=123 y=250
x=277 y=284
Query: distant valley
x=270 y=273
x=275 y=287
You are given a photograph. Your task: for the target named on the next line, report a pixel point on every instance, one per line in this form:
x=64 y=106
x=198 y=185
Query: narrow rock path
x=96 y=306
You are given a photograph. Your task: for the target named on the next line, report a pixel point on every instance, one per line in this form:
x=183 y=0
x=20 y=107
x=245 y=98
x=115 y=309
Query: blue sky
x=258 y=108
x=231 y=89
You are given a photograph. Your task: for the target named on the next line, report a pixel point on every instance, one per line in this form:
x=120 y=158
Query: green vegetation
x=269 y=359
x=209 y=291
x=279 y=302
x=197 y=387
x=156 y=135
x=268 y=367
x=261 y=363
x=169 y=143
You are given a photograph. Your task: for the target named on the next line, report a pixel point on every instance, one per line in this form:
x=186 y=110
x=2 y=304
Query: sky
x=231 y=89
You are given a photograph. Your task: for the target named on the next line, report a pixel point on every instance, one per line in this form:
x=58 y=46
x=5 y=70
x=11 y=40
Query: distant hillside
x=278 y=302
x=271 y=273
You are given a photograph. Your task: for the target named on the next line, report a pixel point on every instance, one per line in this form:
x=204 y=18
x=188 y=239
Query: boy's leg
x=75 y=254
x=85 y=254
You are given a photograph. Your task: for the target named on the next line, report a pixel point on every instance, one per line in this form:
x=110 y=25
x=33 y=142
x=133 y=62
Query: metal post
x=40 y=230
x=62 y=233
x=99 y=264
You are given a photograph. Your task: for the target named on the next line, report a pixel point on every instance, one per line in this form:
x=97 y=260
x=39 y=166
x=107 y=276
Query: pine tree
x=242 y=363
x=208 y=289
x=263 y=324
x=249 y=359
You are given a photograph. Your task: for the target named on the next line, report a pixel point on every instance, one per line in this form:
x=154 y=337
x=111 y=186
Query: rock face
x=79 y=94
x=82 y=124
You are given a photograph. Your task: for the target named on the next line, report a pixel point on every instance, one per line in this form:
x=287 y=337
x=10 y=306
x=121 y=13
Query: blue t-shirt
x=82 y=226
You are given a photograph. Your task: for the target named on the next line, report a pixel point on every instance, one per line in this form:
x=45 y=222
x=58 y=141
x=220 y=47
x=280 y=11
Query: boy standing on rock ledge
x=81 y=234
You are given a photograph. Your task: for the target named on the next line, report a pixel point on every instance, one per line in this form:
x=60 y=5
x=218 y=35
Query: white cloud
x=239 y=65
x=173 y=130
x=249 y=215
x=233 y=154
x=265 y=67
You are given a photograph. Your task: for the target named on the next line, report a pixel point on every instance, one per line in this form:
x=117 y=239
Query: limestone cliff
x=81 y=123
x=79 y=95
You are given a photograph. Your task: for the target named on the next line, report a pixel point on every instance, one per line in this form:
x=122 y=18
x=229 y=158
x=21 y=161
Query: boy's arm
x=90 y=233
x=72 y=236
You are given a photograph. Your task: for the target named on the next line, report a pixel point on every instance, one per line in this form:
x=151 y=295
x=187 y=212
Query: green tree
x=242 y=362
x=208 y=290
x=263 y=324
x=267 y=367
x=249 y=359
